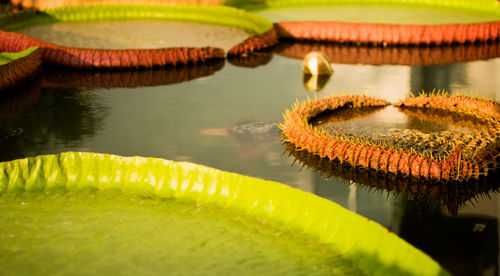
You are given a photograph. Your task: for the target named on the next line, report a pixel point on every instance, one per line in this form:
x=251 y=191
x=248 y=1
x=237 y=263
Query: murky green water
x=224 y=115
x=109 y=232
x=376 y=13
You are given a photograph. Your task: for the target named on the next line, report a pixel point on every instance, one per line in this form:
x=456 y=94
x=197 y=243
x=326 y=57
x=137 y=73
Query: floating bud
x=316 y=64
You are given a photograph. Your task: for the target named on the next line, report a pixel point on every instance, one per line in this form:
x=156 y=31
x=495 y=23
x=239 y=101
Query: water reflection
x=415 y=56
x=69 y=77
x=14 y=101
x=464 y=245
x=445 y=77
x=452 y=194
x=60 y=119
x=251 y=60
x=315 y=83
x=393 y=72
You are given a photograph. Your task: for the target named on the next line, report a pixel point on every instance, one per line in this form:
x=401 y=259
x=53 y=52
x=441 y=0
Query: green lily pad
x=382 y=11
x=124 y=36
x=18 y=66
x=380 y=22
x=89 y=213
x=387 y=14
x=7 y=57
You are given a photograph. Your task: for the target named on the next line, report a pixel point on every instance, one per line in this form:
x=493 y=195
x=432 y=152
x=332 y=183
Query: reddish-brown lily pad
x=444 y=155
x=259 y=34
x=18 y=66
x=381 y=22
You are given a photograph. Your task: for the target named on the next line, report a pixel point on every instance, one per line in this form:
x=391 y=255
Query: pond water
x=225 y=114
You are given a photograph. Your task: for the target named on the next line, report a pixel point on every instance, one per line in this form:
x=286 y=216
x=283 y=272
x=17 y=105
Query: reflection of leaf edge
x=416 y=56
x=454 y=194
x=62 y=77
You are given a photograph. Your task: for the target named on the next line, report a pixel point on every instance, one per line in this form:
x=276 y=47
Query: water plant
x=262 y=35
x=18 y=66
x=441 y=156
x=380 y=29
x=364 y=244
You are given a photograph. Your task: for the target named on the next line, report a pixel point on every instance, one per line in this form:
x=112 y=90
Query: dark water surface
x=224 y=115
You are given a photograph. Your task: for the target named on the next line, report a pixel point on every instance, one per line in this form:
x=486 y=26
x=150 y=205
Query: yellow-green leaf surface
x=428 y=12
x=7 y=57
x=220 y=15
x=362 y=244
x=481 y=5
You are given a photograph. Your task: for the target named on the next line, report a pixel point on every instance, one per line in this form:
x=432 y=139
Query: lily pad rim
x=488 y=6
x=231 y=17
x=326 y=222
x=8 y=57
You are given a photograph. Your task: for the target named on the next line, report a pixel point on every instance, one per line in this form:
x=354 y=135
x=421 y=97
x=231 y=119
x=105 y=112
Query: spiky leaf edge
x=297 y=130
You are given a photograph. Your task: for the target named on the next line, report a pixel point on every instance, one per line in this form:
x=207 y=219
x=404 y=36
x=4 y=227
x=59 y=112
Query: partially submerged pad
x=381 y=22
x=18 y=66
x=442 y=156
x=370 y=248
x=260 y=30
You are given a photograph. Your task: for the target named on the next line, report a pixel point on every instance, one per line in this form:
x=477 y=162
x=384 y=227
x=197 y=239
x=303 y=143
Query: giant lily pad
x=461 y=153
x=17 y=66
x=132 y=215
x=384 y=22
x=135 y=35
